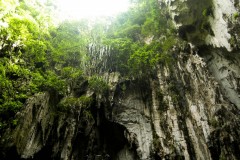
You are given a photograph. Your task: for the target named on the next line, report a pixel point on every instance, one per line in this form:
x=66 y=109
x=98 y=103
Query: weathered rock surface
x=189 y=110
x=183 y=113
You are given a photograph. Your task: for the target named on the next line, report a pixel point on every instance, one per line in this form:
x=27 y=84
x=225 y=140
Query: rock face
x=182 y=113
x=189 y=110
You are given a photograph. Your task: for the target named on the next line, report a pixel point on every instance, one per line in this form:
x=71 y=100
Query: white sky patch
x=78 y=9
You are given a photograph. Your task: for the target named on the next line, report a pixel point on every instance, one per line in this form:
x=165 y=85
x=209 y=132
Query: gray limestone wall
x=188 y=110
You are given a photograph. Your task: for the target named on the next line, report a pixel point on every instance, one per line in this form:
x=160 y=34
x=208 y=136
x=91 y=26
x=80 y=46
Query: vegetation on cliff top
x=38 y=55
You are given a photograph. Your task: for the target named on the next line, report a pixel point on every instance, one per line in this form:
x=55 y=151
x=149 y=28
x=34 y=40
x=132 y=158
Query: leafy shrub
x=85 y=101
x=71 y=102
x=68 y=103
x=53 y=82
x=235 y=15
x=145 y=58
x=98 y=85
x=71 y=73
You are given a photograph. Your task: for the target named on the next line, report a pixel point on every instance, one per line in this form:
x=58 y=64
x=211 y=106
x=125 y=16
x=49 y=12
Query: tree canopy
x=37 y=54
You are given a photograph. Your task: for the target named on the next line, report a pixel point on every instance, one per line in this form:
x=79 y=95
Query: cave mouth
x=113 y=141
x=9 y=154
x=106 y=140
x=112 y=138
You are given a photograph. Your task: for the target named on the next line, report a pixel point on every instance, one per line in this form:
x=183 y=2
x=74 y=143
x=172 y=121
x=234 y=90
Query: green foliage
x=127 y=35
x=98 y=85
x=12 y=91
x=204 y=13
x=145 y=58
x=132 y=32
x=23 y=60
x=156 y=21
x=14 y=122
x=68 y=44
x=123 y=87
x=85 y=101
x=122 y=48
x=68 y=103
x=235 y=15
x=53 y=82
x=37 y=56
x=71 y=102
x=71 y=73
x=142 y=60
x=207 y=12
x=88 y=115
x=214 y=122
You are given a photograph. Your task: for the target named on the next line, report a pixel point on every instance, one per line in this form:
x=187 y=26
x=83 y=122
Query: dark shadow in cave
x=112 y=138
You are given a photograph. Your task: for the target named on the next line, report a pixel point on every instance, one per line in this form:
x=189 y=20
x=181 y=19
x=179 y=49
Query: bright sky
x=78 y=9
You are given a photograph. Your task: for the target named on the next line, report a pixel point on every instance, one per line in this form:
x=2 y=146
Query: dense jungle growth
x=39 y=53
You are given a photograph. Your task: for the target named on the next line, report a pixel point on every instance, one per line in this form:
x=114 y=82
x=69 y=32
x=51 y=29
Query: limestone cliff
x=189 y=110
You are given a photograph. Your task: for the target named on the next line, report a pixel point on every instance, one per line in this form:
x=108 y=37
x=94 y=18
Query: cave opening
x=113 y=141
